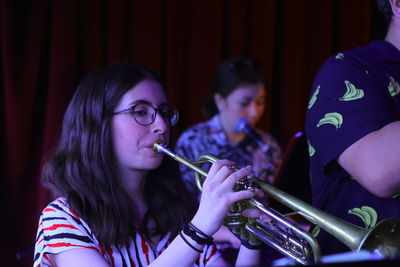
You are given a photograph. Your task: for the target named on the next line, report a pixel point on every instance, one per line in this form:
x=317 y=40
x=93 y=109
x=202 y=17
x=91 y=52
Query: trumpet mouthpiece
x=157 y=146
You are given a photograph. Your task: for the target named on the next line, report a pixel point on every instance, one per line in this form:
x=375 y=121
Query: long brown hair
x=81 y=167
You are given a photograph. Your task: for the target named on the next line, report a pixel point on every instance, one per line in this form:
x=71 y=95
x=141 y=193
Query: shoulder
x=343 y=75
x=58 y=218
x=362 y=60
x=59 y=205
x=194 y=132
x=61 y=229
x=341 y=64
x=59 y=209
x=361 y=54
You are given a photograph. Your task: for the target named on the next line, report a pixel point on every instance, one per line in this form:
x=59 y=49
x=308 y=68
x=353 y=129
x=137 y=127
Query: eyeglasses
x=145 y=114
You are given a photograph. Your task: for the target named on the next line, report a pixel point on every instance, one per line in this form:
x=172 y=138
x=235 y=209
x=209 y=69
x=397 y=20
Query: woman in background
x=238 y=94
x=120 y=203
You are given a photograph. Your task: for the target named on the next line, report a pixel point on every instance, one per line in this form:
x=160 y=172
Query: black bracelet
x=190 y=245
x=194 y=233
x=199 y=231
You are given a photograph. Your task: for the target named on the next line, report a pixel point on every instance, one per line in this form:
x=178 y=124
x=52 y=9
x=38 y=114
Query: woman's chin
x=151 y=164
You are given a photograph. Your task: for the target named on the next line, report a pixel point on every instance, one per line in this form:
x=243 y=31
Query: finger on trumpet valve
x=244 y=234
x=233 y=220
x=254 y=241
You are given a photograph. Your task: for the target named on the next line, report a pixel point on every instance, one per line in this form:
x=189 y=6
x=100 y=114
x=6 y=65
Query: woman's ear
x=395 y=4
x=219 y=102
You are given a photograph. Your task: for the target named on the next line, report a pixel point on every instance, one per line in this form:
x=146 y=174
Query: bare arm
x=248 y=257
x=78 y=257
x=374 y=161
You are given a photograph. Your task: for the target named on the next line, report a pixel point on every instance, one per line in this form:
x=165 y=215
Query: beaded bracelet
x=190 y=245
x=197 y=235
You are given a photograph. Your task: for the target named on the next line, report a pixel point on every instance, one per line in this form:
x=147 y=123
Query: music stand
x=293 y=175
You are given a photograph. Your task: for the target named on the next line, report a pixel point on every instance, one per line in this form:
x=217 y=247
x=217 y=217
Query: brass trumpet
x=285 y=236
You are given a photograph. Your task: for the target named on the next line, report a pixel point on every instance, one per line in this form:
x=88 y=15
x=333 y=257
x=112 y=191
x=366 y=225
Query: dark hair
x=385 y=8
x=230 y=74
x=82 y=169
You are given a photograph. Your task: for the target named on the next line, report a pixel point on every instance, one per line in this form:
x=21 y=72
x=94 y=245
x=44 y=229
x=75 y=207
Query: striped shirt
x=61 y=229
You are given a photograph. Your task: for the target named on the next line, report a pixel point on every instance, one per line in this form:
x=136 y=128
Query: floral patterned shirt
x=209 y=138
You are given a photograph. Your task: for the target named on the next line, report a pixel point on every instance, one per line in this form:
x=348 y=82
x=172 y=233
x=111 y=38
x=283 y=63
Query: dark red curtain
x=48 y=45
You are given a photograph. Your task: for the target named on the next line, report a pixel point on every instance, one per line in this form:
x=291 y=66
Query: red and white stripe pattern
x=60 y=229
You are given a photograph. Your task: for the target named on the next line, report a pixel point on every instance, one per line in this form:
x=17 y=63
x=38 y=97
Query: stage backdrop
x=47 y=46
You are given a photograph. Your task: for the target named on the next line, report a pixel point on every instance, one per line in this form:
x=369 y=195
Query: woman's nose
x=160 y=123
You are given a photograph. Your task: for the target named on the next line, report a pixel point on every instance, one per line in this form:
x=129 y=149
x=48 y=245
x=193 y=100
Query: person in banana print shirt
x=353 y=131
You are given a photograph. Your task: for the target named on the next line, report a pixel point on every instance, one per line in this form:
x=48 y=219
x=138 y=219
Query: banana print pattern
x=342 y=105
x=334 y=118
x=311 y=149
x=313 y=97
x=352 y=93
x=367 y=214
x=339 y=56
x=394 y=87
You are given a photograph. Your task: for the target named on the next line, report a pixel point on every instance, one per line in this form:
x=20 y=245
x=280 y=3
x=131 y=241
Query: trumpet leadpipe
x=160 y=148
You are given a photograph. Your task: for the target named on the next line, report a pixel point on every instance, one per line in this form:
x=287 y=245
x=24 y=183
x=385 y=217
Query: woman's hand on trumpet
x=218 y=195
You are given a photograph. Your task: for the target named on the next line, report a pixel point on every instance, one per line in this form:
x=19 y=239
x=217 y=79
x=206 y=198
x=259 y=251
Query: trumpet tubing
x=288 y=238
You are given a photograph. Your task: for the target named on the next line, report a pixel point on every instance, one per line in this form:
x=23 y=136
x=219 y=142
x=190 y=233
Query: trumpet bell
x=383 y=239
